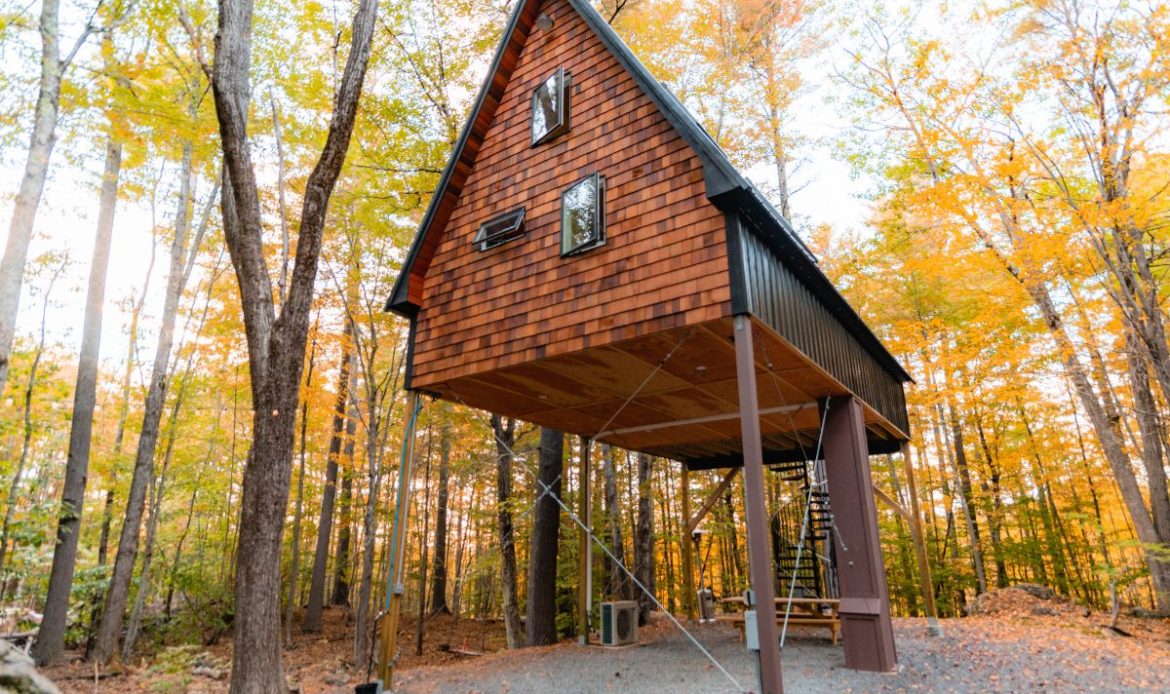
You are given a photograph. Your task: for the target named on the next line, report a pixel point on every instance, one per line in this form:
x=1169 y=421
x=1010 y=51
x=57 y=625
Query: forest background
x=987 y=182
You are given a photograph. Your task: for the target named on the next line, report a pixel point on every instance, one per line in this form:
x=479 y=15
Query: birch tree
x=53 y=65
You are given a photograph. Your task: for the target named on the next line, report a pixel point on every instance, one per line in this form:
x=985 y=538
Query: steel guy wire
x=617 y=562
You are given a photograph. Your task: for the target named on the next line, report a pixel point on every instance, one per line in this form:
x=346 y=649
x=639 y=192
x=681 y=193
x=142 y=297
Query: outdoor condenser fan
x=619 y=622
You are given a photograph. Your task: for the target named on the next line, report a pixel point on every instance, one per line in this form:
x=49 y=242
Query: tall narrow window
x=583 y=215
x=550 y=108
x=500 y=229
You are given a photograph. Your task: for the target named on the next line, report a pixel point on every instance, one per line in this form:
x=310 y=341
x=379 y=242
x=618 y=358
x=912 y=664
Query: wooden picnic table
x=810 y=613
x=739 y=599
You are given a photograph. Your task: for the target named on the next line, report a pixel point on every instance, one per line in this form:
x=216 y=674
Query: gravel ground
x=975 y=655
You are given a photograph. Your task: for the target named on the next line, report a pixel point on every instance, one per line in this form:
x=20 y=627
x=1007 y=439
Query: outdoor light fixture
x=544 y=22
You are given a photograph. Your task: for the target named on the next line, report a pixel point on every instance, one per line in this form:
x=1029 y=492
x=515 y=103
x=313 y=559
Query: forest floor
x=1017 y=643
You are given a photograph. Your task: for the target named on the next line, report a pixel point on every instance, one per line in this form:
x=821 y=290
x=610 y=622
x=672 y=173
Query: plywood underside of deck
x=688 y=410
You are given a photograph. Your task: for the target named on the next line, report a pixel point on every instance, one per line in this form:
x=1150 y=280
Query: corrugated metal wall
x=777 y=297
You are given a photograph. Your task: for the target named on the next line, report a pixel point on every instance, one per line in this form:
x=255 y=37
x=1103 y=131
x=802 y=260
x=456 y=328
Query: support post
x=759 y=550
x=865 y=600
x=585 y=548
x=933 y=628
x=397 y=558
x=688 y=547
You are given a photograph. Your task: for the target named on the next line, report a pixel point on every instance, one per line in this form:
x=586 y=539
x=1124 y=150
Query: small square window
x=500 y=229
x=550 y=107
x=583 y=215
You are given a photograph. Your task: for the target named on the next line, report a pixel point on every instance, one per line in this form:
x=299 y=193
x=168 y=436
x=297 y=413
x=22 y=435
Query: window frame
x=485 y=242
x=598 y=216
x=564 y=79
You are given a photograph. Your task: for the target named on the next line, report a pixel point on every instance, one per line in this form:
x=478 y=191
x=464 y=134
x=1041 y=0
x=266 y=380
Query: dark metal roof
x=726 y=187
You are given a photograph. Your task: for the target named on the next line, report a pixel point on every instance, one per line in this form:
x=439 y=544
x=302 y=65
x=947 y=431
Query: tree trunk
x=1146 y=413
x=963 y=473
x=505 y=434
x=276 y=344
x=737 y=556
x=644 y=538
x=667 y=534
x=369 y=531
x=439 y=574
x=618 y=584
x=123 y=410
x=461 y=546
x=115 y=604
x=294 y=571
x=227 y=565
x=26 y=433
x=424 y=553
x=316 y=603
x=541 y=616
x=340 y=596
x=32 y=185
x=50 y=640
x=904 y=542
x=158 y=489
x=119 y=439
x=1110 y=444
x=995 y=517
x=175 y=563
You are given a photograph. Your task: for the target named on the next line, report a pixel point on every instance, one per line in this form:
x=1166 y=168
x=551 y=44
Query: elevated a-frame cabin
x=592 y=262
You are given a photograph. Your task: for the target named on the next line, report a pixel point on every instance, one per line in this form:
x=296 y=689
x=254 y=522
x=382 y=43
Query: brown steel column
x=865 y=600
x=759 y=550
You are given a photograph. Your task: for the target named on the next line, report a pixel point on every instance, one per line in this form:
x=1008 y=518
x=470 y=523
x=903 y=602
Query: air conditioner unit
x=619 y=623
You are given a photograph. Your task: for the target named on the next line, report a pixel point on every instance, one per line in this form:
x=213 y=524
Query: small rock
x=1036 y=590
x=336 y=678
x=208 y=672
x=18 y=673
x=1043 y=611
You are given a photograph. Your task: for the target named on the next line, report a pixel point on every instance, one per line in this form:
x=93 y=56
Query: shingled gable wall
x=665 y=259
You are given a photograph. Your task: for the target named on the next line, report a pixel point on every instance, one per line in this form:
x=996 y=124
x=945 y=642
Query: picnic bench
x=816 y=612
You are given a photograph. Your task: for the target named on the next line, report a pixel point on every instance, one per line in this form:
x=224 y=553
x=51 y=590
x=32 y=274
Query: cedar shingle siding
x=664 y=263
